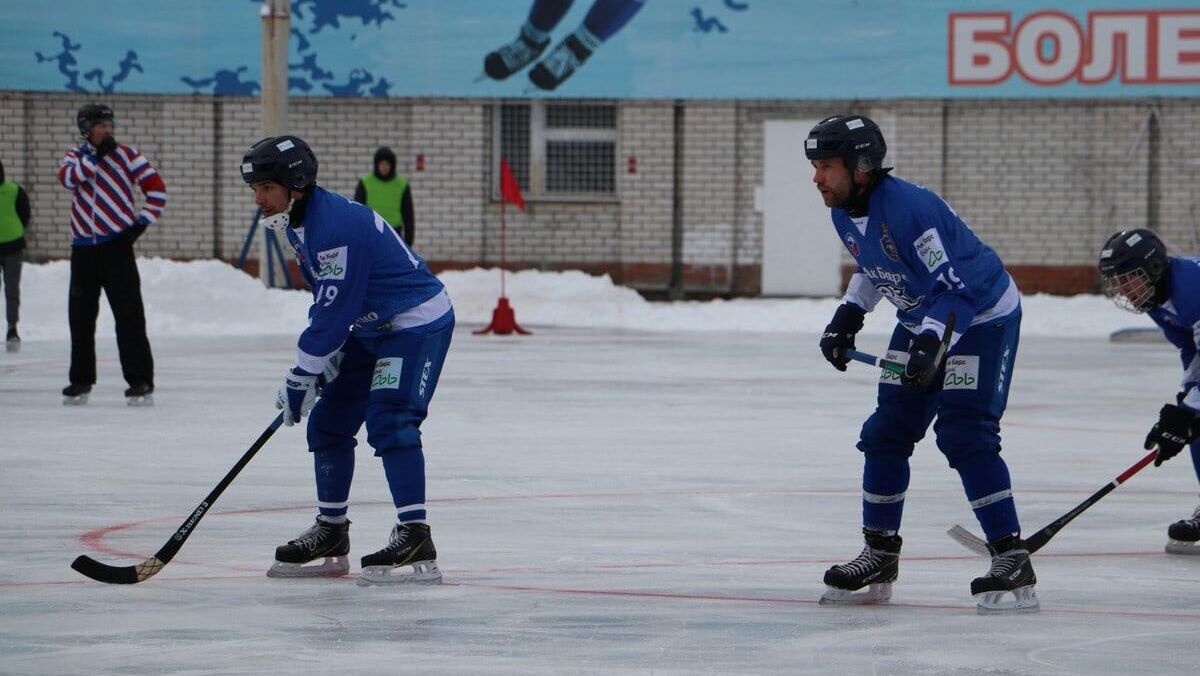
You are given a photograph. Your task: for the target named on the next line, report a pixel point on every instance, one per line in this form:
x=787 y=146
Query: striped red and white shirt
x=102 y=206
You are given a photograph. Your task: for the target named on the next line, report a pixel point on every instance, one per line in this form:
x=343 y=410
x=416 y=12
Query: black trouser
x=112 y=267
x=10 y=264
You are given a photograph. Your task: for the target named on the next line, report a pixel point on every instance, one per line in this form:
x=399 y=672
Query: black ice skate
x=1184 y=536
x=140 y=394
x=76 y=394
x=411 y=545
x=324 y=540
x=877 y=566
x=12 y=342
x=1011 y=571
x=514 y=56
x=563 y=60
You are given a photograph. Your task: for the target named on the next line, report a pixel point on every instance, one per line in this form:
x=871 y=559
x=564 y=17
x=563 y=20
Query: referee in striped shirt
x=101 y=174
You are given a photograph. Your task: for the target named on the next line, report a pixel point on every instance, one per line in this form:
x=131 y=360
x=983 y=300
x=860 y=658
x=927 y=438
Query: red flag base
x=504 y=321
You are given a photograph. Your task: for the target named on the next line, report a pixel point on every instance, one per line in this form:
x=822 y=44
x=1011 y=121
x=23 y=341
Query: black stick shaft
x=1040 y=538
x=102 y=572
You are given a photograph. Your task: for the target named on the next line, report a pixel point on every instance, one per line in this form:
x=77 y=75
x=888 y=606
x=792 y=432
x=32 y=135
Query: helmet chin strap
x=281 y=220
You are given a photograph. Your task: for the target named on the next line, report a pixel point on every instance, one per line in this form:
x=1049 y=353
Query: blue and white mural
x=769 y=49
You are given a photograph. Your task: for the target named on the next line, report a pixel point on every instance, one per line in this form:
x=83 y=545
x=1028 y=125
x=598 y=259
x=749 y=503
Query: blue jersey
x=364 y=278
x=1179 y=319
x=912 y=249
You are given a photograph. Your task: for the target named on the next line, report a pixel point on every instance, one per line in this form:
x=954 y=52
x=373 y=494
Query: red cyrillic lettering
x=1065 y=58
x=978 y=51
x=1117 y=37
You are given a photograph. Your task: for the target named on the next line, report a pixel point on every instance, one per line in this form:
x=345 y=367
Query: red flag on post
x=504 y=320
x=509 y=190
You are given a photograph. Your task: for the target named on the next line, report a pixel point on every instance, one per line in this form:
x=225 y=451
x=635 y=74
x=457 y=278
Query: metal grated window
x=514 y=142
x=557 y=151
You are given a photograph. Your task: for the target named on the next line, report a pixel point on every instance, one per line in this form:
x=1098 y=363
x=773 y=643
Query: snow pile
x=211 y=298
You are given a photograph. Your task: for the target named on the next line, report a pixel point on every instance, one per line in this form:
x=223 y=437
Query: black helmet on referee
x=286 y=160
x=90 y=115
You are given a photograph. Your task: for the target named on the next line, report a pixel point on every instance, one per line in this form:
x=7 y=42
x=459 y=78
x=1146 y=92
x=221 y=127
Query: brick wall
x=1044 y=182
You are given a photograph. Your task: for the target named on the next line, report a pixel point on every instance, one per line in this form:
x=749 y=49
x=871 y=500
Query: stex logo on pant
x=387 y=374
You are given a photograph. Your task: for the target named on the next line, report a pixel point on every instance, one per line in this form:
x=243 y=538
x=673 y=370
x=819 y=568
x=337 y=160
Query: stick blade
x=969 y=540
x=102 y=572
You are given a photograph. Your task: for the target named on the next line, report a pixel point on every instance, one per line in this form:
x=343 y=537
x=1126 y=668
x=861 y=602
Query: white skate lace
x=399 y=537
x=310 y=537
x=1003 y=564
x=868 y=560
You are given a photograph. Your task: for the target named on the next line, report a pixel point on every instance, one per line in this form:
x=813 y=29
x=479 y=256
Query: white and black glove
x=297 y=395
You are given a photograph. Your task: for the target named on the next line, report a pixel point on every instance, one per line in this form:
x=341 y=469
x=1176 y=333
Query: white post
x=276 y=30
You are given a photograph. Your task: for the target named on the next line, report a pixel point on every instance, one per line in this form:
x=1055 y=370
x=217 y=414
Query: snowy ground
x=605 y=499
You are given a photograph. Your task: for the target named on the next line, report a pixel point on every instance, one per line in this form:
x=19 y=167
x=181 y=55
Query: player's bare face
x=270 y=196
x=99 y=132
x=832 y=180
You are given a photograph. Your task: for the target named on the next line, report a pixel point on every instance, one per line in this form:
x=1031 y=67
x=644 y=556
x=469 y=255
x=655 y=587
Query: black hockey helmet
x=1133 y=265
x=854 y=138
x=92 y=114
x=286 y=160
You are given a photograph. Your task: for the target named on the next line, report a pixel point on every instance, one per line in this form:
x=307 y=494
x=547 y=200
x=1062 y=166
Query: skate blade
x=424 y=572
x=1025 y=600
x=876 y=594
x=1183 y=547
x=147 y=400
x=75 y=401
x=12 y=347
x=334 y=566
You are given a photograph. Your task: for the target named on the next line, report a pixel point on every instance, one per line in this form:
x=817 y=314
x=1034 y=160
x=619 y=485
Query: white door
x=801 y=253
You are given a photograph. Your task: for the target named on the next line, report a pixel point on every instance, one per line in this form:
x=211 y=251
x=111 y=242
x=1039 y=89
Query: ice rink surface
x=603 y=501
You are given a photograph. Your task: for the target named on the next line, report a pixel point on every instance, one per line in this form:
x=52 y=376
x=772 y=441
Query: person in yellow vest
x=388 y=194
x=14 y=218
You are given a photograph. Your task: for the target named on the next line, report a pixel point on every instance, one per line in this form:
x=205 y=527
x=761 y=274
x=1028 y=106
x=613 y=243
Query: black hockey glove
x=1176 y=428
x=106 y=147
x=923 y=361
x=839 y=335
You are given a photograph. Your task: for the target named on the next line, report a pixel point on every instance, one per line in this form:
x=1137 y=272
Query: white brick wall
x=1042 y=181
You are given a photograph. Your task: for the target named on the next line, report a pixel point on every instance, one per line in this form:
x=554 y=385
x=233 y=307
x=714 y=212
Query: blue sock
x=334 y=472
x=606 y=17
x=989 y=489
x=405 y=470
x=544 y=15
x=885 y=481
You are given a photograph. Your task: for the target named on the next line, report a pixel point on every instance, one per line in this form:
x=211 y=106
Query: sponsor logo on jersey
x=387 y=374
x=888 y=244
x=962 y=372
x=369 y=318
x=896 y=295
x=852 y=245
x=886 y=377
x=877 y=273
x=930 y=250
x=331 y=263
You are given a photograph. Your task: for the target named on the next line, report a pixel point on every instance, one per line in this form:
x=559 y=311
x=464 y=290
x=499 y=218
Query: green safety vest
x=384 y=197
x=10 y=225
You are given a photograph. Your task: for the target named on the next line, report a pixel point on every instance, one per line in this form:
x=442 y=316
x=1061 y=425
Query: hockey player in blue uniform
x=1139 y=276
x=912 y=249
x=378 y=332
